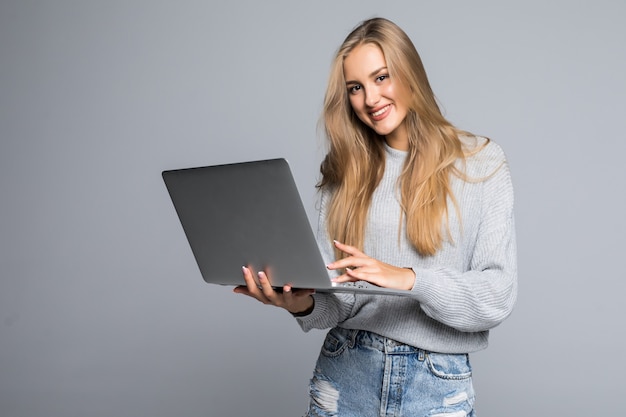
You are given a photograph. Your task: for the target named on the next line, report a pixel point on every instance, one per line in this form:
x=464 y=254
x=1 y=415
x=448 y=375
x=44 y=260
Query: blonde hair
x=355 y=161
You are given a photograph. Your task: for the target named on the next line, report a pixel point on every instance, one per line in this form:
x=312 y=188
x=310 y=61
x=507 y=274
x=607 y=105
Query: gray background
x=102 y=308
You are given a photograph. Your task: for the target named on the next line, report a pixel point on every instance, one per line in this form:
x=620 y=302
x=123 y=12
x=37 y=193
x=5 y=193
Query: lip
x=379 y=117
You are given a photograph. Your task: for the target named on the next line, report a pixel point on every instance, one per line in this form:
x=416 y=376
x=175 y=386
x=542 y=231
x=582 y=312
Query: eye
x=382 y=78
x=354 y=89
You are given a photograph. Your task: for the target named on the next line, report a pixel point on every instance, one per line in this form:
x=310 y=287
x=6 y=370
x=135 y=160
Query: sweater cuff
x=318 y=313
x=421 y=286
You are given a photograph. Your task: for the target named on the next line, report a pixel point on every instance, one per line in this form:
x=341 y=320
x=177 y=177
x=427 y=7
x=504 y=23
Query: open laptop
x=251 y=214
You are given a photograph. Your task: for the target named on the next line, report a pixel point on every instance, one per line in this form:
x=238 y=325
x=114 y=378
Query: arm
x=473 y=297
x=483 y=296
x=329 y=309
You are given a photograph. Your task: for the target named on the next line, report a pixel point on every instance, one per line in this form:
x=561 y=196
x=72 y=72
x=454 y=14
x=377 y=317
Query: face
x=375 y=97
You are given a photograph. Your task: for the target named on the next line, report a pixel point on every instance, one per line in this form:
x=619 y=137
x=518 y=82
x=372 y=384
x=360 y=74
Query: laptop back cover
x=251 y=214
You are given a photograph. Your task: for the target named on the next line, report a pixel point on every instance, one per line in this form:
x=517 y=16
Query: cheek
x=354 y=102
x=357 y=107
x=400 y=96
x=389 y=91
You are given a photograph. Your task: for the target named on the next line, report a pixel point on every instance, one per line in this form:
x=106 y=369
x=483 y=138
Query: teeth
x=381 y=111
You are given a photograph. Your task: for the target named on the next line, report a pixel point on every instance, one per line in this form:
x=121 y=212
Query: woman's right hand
x=296 y=302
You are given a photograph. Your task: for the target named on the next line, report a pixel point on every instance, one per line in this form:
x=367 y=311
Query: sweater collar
x=395 y=154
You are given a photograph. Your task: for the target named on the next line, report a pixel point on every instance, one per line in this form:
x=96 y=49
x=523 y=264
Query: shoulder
x=483 y=156
x=324 y=195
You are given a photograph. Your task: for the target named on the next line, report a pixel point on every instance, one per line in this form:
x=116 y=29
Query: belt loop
x=421 y=355
x=353 y=337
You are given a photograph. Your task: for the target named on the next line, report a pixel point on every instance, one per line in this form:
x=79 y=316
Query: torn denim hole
x=453 y=400
x=325 y=397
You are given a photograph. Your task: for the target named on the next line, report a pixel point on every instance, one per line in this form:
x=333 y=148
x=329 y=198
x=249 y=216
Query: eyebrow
x=371 y=75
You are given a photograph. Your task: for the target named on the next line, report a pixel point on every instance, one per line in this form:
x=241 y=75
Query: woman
x=408 y=201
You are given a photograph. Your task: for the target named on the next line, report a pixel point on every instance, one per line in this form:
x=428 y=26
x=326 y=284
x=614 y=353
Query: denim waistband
x=384 y=344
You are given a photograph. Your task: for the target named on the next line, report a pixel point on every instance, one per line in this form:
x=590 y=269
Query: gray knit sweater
x=468 y=287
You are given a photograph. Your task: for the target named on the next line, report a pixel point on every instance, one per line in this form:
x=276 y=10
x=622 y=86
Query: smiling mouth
x=381 y=111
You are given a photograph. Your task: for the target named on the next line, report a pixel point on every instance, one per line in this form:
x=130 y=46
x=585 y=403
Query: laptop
x=251 y=214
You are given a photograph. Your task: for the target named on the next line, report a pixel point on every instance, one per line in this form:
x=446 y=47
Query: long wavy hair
x=355 y=162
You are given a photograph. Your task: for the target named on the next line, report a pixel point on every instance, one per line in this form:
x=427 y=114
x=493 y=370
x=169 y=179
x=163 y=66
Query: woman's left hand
x=360 y=267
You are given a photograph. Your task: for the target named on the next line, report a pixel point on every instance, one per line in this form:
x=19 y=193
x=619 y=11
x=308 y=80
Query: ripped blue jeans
x=359 y=373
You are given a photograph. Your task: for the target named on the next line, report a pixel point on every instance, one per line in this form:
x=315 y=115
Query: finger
x=242 y=289
x=291 y=294
x=367 y=273
x=349 y=262
x=345 y=277
x=252 y=287
x=354 y=275
x=287 y=295
x=245 y=289
x=297 y=293
x=351 y=250
x=248 y=278
x=266 y=286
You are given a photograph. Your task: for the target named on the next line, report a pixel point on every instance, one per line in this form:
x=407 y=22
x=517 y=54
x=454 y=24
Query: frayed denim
x=362 y=374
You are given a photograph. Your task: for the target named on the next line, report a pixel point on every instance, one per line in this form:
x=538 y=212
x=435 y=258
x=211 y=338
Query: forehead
x=362 y=61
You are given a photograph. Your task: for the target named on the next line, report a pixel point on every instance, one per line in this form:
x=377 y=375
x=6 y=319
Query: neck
x=401 y=144
x=398 y=139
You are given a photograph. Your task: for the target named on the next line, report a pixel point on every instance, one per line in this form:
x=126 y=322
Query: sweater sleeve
x=329 y=309
x=482 y=297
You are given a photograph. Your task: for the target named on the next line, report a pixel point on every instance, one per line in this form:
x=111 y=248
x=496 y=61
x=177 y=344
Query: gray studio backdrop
x=102 y=309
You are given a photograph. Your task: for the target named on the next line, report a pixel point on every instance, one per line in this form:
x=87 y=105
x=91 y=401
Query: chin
x=382 y=131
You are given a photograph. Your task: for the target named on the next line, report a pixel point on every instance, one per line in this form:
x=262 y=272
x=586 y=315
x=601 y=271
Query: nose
x=372 y=96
